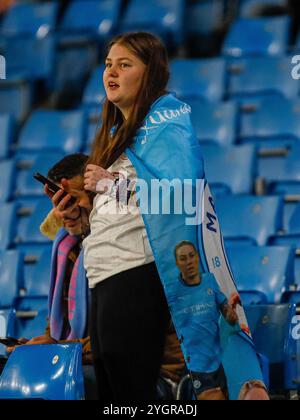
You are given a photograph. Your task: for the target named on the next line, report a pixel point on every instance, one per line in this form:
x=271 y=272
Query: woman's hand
x=97 y=179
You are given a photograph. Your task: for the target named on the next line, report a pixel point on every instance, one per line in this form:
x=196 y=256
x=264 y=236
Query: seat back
x=251 y=218
x=50 y=372
x=11 y=277
x=7 y=317
x=31 y=316
x=262 y=270
x=8 y=220
x=7 y=134
x=272 y=331
x=261 y=36
x=94 y=93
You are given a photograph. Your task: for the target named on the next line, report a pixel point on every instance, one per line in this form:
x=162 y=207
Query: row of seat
x=275 y=334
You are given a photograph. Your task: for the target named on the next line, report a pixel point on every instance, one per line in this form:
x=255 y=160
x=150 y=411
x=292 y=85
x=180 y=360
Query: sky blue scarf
x=165 y=149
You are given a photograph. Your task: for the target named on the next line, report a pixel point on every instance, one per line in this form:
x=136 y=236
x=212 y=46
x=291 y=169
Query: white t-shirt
x=118 y=240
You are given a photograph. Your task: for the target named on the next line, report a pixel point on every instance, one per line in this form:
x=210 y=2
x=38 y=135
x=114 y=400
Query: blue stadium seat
x=206 y=78
x=32 y=56
x=31 y=213
x=7 y=135
x=82 y=58
x=163 y=17
x=37 y=266
x=8 y=219
x=11 y=277
x=249 y=219
x=271 y=327
x=214 y=122
x=33 y=19
x=94 y=93
x=236 y=168
x=276 y=117
x=272 y=77
x=31 y=316
x=59 y=131
x=262 y=273
x=92 y=18
x=251 y=8
x=7 y=317
x=47 y=372
x=27 y=166
x=16 y=96
x=8 y=171
x=262 y=36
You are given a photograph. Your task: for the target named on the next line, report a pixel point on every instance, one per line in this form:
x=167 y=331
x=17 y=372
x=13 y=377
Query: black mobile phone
x=10 y=341
x=53 y=187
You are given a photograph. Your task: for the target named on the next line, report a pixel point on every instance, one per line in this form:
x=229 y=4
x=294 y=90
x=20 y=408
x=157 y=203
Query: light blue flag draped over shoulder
x=176 y=205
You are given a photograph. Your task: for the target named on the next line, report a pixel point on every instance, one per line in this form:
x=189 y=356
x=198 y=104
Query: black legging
x=129 y=320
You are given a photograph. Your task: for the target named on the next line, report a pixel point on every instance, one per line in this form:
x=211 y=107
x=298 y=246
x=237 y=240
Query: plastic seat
x=206 y=78
x=7 y=169
x=251 y=8
x=60 y=131
x=236 y=166
x=8 y=220
x=27 y=166
x=7 y=135
x=272 y=118
x=32 y=56
x=31 y=213
x=262 y=273
x=163 y=17
x=262 y=36
x=33 y=19
x=249 y=219
x=7 y=317
x=94 y=93
x=272 y=331
x=91 y=17
x=16 y=96
x=31 y=316
x=272 y=77
x=214 y=122
x=37 y=267
x=204 y=17
x=49 y=372
x=11 y=277
x=94 y=123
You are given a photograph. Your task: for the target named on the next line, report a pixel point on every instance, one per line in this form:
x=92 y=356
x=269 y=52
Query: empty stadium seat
x=8 y=218
x=60 y=131
x=16 y=96
x=262 y=274
x=94 y=93
x=27 y=165
x=252 y=8
x=91 y=17
x=271 y=327
x=49 y=372
x=33 y=19
x=11 y=277
x=7 y=135
x=276 y=117
x=163 y=17
x=214 y=122
x=204 y=17
x=31 y=316
x=262 y=36
x=94 y=123
x=37 y=266
x=271 y=77
x=206 y=78
x=31 y=213
x=7 y=317
x=249 y=219
x=7 y=171
x=236 y=168
x=32 y=56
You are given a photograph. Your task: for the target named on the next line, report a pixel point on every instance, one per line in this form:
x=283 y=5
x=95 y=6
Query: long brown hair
x=108 y=146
